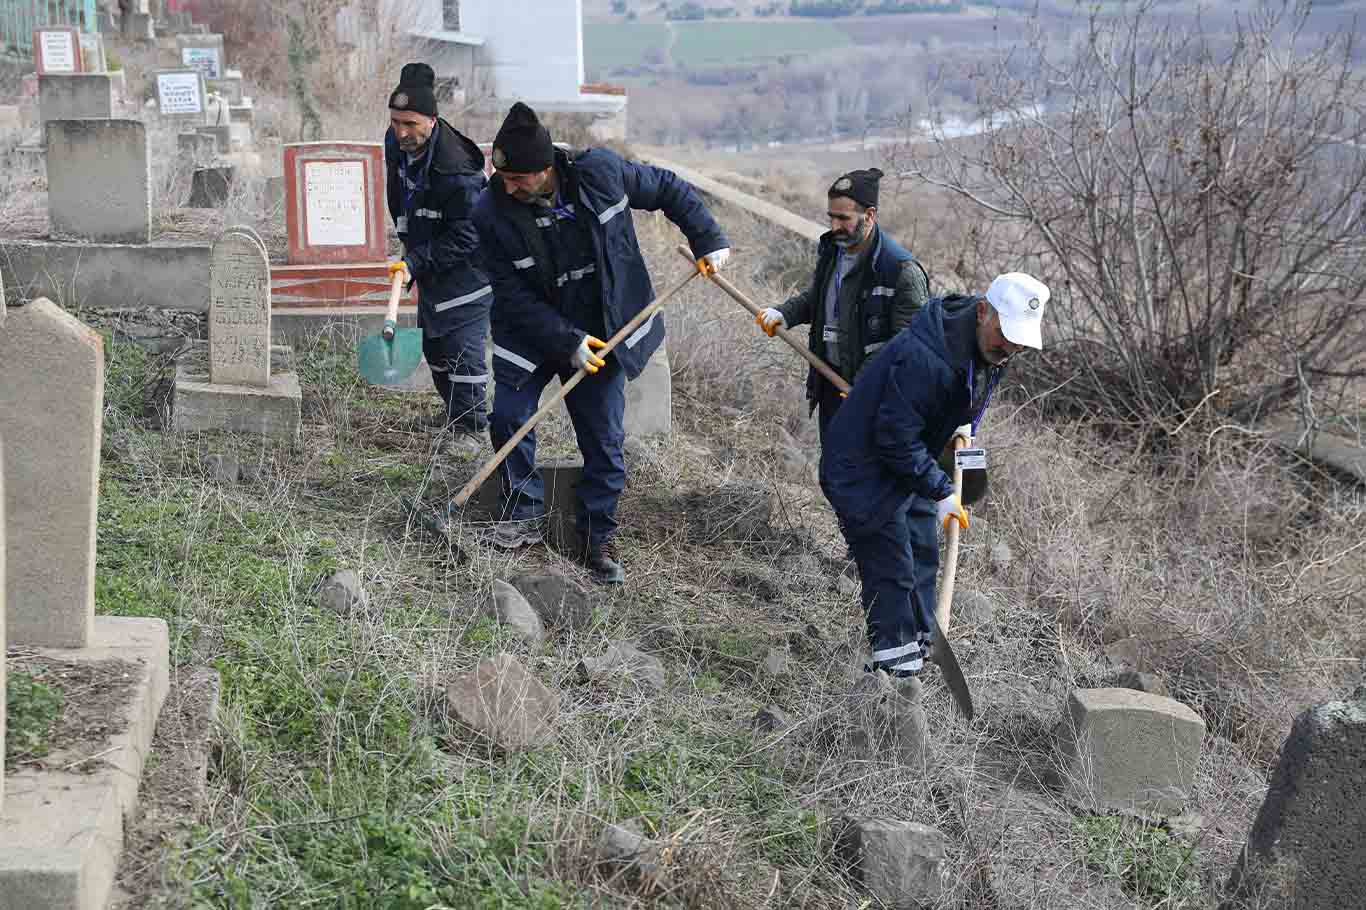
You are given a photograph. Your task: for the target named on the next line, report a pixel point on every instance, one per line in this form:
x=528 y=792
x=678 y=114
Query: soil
x=95 y=696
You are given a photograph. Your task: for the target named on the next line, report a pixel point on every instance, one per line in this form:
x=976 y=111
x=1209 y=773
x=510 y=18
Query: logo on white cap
x=1034 y=303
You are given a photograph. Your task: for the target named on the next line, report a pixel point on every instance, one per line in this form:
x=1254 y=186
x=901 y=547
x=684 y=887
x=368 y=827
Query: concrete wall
x=106 y=275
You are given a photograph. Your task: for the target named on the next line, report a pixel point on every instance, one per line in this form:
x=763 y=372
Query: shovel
x=820 y=366
x=391 y=356
x=621 y=335
x=940 y=651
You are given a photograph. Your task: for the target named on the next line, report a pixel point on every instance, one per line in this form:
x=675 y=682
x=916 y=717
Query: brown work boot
x=603 y=562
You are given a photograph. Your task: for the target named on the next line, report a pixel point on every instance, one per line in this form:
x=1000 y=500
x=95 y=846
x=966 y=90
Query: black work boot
x=603 y=562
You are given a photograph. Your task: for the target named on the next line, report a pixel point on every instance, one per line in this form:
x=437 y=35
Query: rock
x=502 y=701
x=511 y=609
x=1001 y=555
x=1140 y=682
x=560 y=602
x=971 y=608
x=621 y=662
x=901 y=864
x=627 y=848
x=888 y=721
x=772 y=719
x=1128 y=653
x=776 y=661
x=343 y=593
x=847 y=586
x=222 y=469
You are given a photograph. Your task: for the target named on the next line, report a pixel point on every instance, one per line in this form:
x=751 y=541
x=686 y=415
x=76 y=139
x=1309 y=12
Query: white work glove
x=770 y=320
x=965 y=432
x=712 y=263
x=584 y=358
x=950 y=509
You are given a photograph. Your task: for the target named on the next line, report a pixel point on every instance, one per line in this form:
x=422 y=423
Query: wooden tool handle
x=944 y=607
x=621 y=334
x=391 y=313
x=820 y=366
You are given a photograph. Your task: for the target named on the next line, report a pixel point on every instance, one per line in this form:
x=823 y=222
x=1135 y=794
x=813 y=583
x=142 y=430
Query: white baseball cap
x=1019 y=300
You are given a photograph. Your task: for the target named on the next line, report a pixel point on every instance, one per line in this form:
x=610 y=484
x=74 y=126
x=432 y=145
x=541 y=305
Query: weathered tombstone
x=229 y=86
x=202 y=52
x=334 y=202
x=561 y=482
x=902 y=864
x=52 y=374
x=78 y=96
x=111 y=157
x=210 y=187
x=92 y=53
x=222 y=136
x=649 y=398
x=180 y=95
x=197 y=148
x=56 y=50
x=239 y=311
x=1307 y=848
x=1125 y=749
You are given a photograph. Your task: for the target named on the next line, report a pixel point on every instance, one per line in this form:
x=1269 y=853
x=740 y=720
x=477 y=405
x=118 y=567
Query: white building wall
x=533 y=49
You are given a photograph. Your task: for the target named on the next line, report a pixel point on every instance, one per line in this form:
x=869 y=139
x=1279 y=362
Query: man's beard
x=853 y=238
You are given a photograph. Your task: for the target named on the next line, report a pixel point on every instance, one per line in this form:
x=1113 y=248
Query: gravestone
x=196 y=148
x=202 y=52
x=180 y=95
x=210 y=187
x=92 y=53
x=1125 y=749
x=239 y=312
x=560 y=479
x=52 y=374
x=229 y=85
x=649 y=398
x=222 y=136
x=334 y=202
x=1307 y=848
x=77 y=96
x=99 y=180
x=56 y=50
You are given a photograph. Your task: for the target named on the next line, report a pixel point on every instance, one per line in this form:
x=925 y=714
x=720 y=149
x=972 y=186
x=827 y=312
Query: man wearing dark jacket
x=865 y=290
x=879 y=467
x=434 y=177
x=567 y=272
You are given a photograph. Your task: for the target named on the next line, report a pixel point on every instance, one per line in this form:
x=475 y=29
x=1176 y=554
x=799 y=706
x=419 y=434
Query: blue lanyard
x=412 y=187
x=994 y=378
x=562 y=210
x=839 y=277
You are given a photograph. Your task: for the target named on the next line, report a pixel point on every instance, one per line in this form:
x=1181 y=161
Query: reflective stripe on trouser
x=459 y=370
x=897 y=566
x=597 y=407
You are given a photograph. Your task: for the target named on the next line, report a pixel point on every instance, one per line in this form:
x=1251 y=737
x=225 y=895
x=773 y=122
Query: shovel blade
x=942 y=655
x=382 y=362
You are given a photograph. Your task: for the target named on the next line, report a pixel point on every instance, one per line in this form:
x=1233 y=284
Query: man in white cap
x=879 y=469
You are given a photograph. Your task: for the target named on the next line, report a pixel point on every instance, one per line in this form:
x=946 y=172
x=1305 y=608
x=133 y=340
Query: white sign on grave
x=179 y=93
x=92 y=53
x=59 y=52
x=204 y=59
x=335 y=194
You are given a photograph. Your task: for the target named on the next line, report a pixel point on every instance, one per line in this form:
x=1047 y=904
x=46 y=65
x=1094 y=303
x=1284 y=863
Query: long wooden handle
x=820 y=366
x=391 y=313
x=944 y=607
x=621 y=334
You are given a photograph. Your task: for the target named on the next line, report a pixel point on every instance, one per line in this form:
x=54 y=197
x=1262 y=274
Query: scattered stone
x=510 y=608
x=772 y=719
x=1306 y=847
x=626 y=848
x=776 y=662
x=1129 y=653
x=888 y=718
x=502 y=701
x=847 y=586
x=1140 y=682
x=1001 y=555
x=560 y=601
x=343 y=593
x=902 y=864
x=1130 y=750
x=622 y=661
x=222 y=469
x=971 y=608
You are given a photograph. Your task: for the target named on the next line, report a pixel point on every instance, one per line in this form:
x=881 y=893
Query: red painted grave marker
x=334 y=203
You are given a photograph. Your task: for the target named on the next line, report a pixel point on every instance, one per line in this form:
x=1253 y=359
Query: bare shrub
x=1191 y=198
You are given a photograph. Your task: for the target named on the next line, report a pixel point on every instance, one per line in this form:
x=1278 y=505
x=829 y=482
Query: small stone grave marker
x=239 y=311
x=202 y=52
x=56 y=50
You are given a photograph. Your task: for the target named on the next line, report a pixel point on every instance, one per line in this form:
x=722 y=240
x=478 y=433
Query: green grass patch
x=607 y=46
x=711 y=43
x=31 y=709
x=1149 y=862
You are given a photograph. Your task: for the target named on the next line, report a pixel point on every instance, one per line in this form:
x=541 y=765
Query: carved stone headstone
x=239 y=311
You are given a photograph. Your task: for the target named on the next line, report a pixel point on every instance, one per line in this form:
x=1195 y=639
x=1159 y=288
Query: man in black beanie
x=567 y=272
x=434 y=177
x=865 y=290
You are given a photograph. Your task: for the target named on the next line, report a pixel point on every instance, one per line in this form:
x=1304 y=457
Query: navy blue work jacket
x=529 y=328
x=431 y=207
x=883 y=444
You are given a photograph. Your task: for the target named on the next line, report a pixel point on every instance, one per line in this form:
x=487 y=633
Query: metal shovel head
x=943 y=658
x=388 y=362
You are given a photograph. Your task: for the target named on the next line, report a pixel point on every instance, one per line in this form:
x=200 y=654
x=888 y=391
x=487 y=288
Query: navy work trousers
x=897 y=564
x=827 y=405
x=459 y=370
x=597 y=408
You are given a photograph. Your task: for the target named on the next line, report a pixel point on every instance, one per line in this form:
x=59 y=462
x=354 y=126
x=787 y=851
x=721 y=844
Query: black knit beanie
x=860 y=186
x=416 y=90
x=522 y=145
